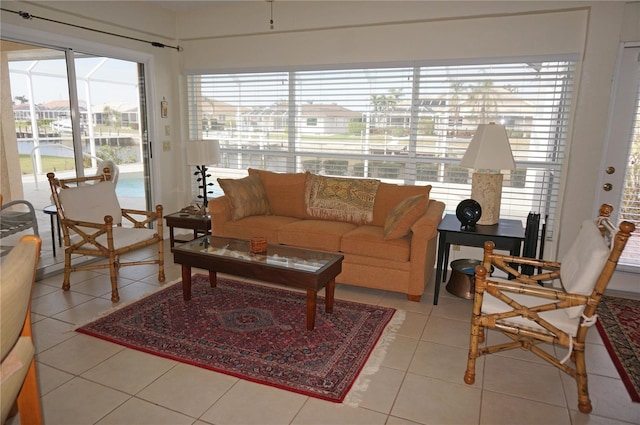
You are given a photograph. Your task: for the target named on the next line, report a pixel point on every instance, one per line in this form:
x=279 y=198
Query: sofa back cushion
x=341 y=198
x=91 y=202
x=246 y=196
x=583 y=262
x=390 y=195
x=285 y=192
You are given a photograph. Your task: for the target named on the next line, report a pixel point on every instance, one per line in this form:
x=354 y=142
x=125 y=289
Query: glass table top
x=276 y=255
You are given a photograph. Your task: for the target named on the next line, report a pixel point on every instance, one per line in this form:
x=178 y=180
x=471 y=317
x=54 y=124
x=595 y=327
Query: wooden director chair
x=530 y=314
x=92 y=224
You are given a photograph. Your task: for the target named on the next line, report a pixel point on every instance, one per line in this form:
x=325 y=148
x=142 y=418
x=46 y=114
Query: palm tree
x=483 y=99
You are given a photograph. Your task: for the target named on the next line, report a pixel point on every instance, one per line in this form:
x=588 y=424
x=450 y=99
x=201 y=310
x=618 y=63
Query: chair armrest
x=495 y=287
x=72 y=224
x=151 y=216
x=507 y=264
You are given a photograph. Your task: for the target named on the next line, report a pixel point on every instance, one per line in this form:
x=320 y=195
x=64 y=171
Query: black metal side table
x=507 y=235
x=52 y=211
x=200 y=224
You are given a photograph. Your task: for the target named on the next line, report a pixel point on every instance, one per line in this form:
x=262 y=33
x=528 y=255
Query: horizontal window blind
x=407 y=125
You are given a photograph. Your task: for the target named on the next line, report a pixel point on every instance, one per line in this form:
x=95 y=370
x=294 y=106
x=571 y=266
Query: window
x=407 y=125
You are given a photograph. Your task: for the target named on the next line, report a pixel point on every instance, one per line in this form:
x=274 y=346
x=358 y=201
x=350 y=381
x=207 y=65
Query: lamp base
x=486 y=188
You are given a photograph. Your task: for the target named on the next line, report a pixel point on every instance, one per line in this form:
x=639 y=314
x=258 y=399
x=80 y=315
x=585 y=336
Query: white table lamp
x=202 y=153
x=488 y=153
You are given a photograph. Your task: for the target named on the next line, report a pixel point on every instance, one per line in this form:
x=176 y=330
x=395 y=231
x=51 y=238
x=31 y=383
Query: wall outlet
x=166 y=146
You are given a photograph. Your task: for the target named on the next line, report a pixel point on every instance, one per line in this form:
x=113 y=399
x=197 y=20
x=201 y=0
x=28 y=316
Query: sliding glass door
x=71 y=112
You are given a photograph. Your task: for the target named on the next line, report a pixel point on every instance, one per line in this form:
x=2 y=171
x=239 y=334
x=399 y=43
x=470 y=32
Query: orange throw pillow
x=403 y=216
x=246 y=195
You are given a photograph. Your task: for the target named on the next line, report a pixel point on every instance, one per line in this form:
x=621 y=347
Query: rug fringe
x=372 y=366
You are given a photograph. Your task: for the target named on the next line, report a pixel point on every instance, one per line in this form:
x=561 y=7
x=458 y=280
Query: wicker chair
x=19 y=384
x=92 y=224
x=530 y=314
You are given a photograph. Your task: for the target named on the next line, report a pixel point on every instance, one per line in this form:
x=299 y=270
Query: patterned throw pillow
x=404 y=215
x=341 y=198
x=247 y=196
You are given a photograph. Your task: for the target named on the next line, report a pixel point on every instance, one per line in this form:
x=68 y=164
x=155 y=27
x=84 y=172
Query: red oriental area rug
x=252 y=332
x=619 y=327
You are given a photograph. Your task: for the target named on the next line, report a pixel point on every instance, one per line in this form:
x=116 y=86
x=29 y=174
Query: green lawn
x=49 y=163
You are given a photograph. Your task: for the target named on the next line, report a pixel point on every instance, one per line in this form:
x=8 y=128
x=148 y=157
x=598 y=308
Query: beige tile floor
x=85 y=380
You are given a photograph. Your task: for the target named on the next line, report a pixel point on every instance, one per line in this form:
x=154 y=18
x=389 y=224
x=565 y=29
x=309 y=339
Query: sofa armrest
x=427 y=226
x=423 y=249
x=220 y=210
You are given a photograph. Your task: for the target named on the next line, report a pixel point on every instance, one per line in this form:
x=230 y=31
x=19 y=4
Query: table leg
x=439 y=268
x=329 y=290
x=53 y=235
x=311 y=308
x=445 y=265
x=213 y=278
x=171 y=236
x=186 y=282
x=59 y=234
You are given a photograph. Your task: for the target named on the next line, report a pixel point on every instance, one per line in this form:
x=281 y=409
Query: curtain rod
x=29 y=16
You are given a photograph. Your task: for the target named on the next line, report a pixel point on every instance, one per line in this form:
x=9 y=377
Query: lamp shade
x=203 y=152
x=489 y=149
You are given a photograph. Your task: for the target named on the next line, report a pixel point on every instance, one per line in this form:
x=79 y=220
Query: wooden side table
x=507 y=235
x=200 y=224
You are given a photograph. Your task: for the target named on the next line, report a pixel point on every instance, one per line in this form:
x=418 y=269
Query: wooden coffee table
x=284 y=265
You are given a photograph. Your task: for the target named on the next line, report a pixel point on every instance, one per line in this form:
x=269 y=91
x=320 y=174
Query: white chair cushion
x=14 y=369
x=16 y=277
x=91 y=203
x=113 y=169
x=492 y=305
x=583 y=263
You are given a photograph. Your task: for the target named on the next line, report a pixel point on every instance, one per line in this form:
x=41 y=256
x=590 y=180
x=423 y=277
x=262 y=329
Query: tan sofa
x=400 y=264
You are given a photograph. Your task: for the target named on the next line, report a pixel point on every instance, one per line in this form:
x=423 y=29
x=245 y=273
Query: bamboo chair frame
x=87 y=243
x=528 y=338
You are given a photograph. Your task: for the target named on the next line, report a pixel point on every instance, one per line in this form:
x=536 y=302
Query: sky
x=112 y=80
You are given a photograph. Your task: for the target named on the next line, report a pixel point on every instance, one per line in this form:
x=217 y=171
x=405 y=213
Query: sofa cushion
x=403 y=216
x=322 y=235
x=369 y=241
x=257 y=225
x=246 y=196
x=285 y=192
x=390 y=195
x=342 y=199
